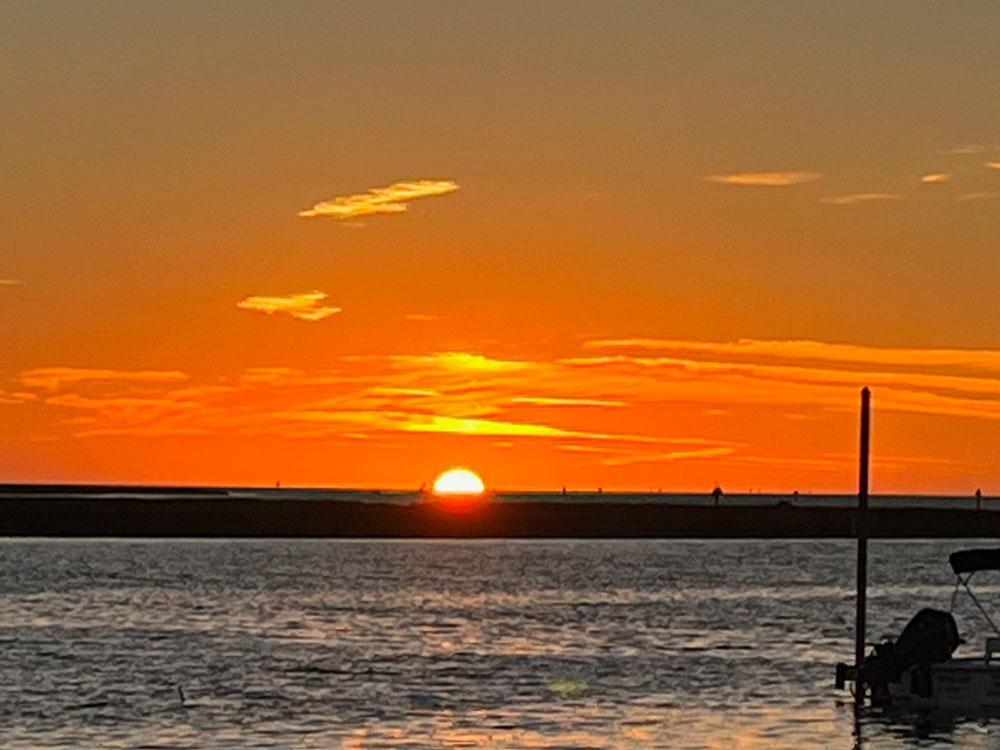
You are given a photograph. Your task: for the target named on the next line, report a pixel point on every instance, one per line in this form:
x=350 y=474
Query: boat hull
x=957 y=685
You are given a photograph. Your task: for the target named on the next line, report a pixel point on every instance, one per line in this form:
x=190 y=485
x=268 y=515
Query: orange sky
x=658 y=246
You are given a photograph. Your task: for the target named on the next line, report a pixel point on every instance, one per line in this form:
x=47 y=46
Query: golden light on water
x=458 y=481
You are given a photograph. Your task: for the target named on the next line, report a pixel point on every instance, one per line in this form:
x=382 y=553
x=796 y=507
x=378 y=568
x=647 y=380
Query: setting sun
x=458 y=482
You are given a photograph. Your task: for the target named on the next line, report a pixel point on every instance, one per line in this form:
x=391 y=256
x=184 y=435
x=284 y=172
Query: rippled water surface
x=542 y=644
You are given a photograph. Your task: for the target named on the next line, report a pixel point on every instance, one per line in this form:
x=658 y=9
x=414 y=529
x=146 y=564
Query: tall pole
x=862 y=533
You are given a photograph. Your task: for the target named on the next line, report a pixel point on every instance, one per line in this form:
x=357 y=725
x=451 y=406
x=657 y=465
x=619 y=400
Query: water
x=395 y=644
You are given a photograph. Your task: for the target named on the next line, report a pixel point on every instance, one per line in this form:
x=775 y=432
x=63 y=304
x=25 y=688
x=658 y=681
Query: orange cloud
x=993 y=165
x=398 y=421
x=659 y=389
x=988 y=359
x=980 y=196
x=391 y=199
x=551 y=401
x=54 y=378
x=16 y=397
x=649 y=458
x=11 y=282
x=855 y=198
x=302 y=306
x=765 y=179
x=458 y=361
x=116 y=403
x=410 y=422
x=967 y=149
x=750 y=383
x=144 y=431
x=935 y=178
x=411 y=392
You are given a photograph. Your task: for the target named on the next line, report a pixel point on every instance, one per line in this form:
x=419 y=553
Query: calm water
x=453 y=644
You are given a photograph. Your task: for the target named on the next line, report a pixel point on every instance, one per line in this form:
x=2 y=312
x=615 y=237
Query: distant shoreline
x=67 y=511
x=88 y=488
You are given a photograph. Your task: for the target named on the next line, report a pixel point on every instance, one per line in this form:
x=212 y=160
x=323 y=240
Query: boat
x=918 y=670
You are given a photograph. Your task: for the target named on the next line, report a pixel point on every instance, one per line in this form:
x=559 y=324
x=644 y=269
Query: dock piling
x=861 y=602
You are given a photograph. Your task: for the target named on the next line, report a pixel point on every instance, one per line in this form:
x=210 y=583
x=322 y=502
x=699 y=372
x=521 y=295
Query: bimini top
x=972 y=560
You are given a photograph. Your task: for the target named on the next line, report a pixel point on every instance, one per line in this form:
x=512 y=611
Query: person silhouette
x=979 y=499
x=717 y=495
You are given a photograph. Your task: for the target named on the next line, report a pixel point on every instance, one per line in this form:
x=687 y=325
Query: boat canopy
x=973 y=560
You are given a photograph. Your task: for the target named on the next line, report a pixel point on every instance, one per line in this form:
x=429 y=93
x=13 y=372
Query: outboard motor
x=931 y=637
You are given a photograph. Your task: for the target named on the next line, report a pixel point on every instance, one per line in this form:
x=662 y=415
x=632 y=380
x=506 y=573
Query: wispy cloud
x=143 y=431
x=657 y=458
x=855 y=198
x=11 y=282
x=303 y=305
x=54 y=378
x=993 y=164
x=723 y=379
x=553 y=401
x=412 y=392
x=17 y=397
x=391 y=199
x=660 y=390
x=970 y=148
x=435 y=423
x=121 y=405
x=422 y=318
x=458 y=361
x=987 y=359
x=980 y=196
x=765 y=179
x=935 y=178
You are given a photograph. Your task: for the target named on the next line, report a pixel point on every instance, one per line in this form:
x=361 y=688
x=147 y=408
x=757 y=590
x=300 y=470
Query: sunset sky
x=658 y=245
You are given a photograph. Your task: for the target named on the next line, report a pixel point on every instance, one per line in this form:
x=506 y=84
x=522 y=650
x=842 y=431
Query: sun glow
x=458 y=482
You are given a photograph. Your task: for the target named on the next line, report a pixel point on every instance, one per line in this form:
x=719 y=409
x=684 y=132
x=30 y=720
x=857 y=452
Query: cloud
x=143 y=431
x=17 y=397
x=422 y=318
x=415 y=422
x=980 y=196
x=855 y=198
x=54 y=378
x=765 y=179
x=993 y=164
x=458 y=361
x=656 y=458
x=935 y=178
x=118 y=403
x=722 y=380
x=551 y=401
x=650 y=395
x=11 y=282
x=492 y=427
x=970 y=148
x=405 y=392
x=303 y=305
x=391 y=199
x=987 y=359
x=401 y=421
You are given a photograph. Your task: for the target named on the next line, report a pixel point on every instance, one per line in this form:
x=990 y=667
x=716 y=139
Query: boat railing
x=962 y=581
x=992 y=647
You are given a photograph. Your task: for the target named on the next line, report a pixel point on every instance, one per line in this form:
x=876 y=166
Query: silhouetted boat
x=918 y=670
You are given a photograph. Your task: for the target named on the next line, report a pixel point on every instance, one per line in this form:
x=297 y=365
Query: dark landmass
x=67 y=511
